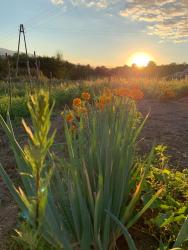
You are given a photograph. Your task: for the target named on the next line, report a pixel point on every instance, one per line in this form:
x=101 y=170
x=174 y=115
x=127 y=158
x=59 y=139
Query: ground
x=167 y=124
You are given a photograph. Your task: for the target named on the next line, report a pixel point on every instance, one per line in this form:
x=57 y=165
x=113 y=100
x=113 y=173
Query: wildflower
x=107 y=92
x=104 y=99
x=77 y=102
x=136 y=94
x=99 y=105
x=69 y=117
x=121 y=92
x=86 y=96
x=73 y=128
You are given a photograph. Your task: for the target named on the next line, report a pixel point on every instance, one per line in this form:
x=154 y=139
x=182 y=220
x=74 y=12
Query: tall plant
x=99 y=175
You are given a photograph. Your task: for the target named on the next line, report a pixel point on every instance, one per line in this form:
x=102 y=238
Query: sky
x=98 y=32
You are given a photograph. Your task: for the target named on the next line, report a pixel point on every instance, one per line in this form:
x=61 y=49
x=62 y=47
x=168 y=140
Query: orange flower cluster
x=121 y=92
x=69 y=117
x=135 y=93
x=78 y=108
x=86 y=96
x=104 y=99
x=79 y=105
x=77 y=102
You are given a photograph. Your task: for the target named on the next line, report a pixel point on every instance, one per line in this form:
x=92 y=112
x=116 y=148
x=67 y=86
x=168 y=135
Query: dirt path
x=167 y=124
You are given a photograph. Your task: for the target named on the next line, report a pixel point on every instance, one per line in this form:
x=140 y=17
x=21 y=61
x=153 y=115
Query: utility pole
x=22 y=31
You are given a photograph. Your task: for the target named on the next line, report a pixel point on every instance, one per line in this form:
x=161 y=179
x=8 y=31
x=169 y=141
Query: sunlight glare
x=140 y=59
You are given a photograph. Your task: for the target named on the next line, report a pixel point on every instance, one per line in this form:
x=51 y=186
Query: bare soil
x=167 y=124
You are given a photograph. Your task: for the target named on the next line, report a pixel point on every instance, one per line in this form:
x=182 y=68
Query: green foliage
x=65 y=199
x=17 y=109
x=181 y=240
x=64 y=96
x=126 y=234
x=170 y=210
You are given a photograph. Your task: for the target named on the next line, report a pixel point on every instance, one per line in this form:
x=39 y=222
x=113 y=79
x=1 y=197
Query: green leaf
x=126 y=234
x=183 y=235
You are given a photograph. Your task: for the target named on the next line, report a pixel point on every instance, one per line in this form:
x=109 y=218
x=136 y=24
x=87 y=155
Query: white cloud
x=167 y=19
x=99 y=4
x=57 y=2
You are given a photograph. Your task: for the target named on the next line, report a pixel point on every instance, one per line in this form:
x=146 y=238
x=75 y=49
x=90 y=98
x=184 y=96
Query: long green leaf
x=183 y=235
x=126 y=234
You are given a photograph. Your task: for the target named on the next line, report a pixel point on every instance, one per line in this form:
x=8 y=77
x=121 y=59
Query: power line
x=84 y=31
x=49 y=18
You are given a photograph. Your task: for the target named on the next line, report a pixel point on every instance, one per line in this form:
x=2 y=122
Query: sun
x=141 y=59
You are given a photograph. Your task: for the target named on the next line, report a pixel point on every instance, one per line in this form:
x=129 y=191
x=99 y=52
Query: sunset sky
x=103 y=32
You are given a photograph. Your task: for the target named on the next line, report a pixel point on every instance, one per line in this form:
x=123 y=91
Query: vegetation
x=64 y=92
x=60 y=69
x=99 y=187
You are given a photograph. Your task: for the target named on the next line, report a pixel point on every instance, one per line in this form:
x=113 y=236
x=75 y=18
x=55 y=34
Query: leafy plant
x=65 y=199
x=180 y=240
x=170 y=210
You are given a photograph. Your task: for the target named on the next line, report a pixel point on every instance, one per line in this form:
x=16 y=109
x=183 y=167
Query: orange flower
x=108 y=92
x=136 y=94
x=104 y=99
x=77 y=102
x=121 y=92
x=86 y=96
x=73 y=128
x=69 y=117
x=99 y=105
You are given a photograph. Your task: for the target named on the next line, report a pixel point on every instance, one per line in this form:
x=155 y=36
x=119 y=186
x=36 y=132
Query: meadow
x=78 y=179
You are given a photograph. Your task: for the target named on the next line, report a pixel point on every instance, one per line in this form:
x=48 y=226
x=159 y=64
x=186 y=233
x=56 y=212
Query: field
x=114 y=171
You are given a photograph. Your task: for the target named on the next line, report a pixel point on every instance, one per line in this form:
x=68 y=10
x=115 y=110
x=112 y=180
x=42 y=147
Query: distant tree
x=152 y=64
x=59 y=56
x=62 y=69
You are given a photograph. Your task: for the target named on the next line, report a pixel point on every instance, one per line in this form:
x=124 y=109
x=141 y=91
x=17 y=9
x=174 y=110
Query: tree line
x=58 y=68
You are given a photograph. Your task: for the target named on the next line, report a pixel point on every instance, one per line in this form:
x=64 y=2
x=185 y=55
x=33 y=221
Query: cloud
x=99 y=4
x=57 y=2
x=167 y=19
